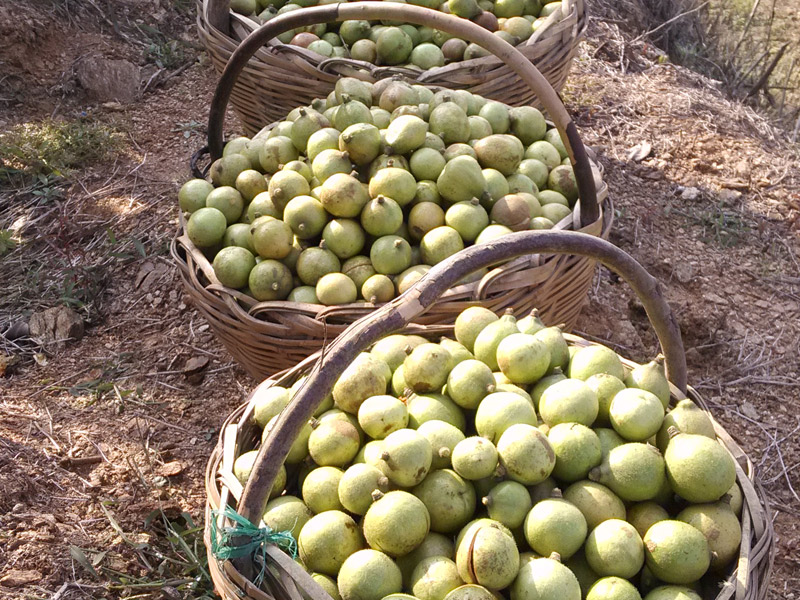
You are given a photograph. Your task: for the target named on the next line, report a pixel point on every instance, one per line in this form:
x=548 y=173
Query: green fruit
x=543 y=579
x=468 y=219
x=555 y=213
x=544 y=152
x=225 y=170
x=535 y=170
x=331 y=162
x=568 y=401
x=235 y=146
x=526 y=455
x=301 y=167
x=368 y=575
x=343 y=237
x=381 y=216
x=528 y=124
x=353 y=88
x=390 y=255
x=262 y=206
x=540 y=223
x=595 y=501
x=285 y=185
x=636 y=414
x=352 y=31
x=434 y=578
x=497 y=115
x=466 y=9
x=520 y=183
x=268 y=402
x=434 y=545
x=286 y=513
x=433 y=407
x=397 y=93
x=362 y=379
x=307 y=122
x=633 y=471
x=378 y=289
x=426 y=368
x=362 y=142
x=721 y=528
x=306 y=216
x=469 y=324
x=326 y=540
x=381 y=415
x=426 y=163
x=359 y=269
x=508 y=8
x=351 y=112
x=577 y=450
x=423 y=218
x=672 y=592
x=686 y=417
x=522 y=358
x=605 y=386
x=320 y=487
x=275 y=152
x=554 y=137
x=440 y=243
x=499 y=411
x=232 y=266
x=206 y=227
x=405 y=134
x=559 y=352
x=192 y=195
x=469 y=382
x=449 y=499
x=595 y=359
x=497 y=185
x=699 y=469
x=676 y=552
x=458 y=149
x=393 y=46
x=336 y=288
x=499 y=151
x=487 y=556
x=651 y=377
x=321 y=140
x=303 y=294
x=615 y=548
x=508 y=502
x=395 y=183
x=555 y=525
x=474 y=458
x=644 y=515
x=562 y=180
x=396 y=523
x=333 y=443
x=450 y=121
x=343 y=195
x=406 y=457
x=489 y=338
x=271 y=237
x=613 y=588
x=479 y=128
x=443 y=438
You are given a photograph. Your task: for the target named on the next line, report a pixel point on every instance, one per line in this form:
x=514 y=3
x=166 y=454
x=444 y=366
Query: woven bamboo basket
x=748 y=578
x=267 y=337
x=281 y=76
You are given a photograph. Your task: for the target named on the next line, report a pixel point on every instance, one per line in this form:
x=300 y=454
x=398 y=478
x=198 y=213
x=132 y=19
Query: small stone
x=749 y=411
x=684 y=272
x=170 y=469
x=729 y=196
x=109 y=80
x=18 y=329
x=56 y=325
x=160 y=481
x=690 y=193
x=18 y=507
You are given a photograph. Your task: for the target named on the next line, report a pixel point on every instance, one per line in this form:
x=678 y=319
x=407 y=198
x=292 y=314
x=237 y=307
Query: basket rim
x=574 y=20
x=756 y=552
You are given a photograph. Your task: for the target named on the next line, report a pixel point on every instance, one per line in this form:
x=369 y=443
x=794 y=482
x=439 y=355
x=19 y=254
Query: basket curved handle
x=394 y=315
x=462 y=28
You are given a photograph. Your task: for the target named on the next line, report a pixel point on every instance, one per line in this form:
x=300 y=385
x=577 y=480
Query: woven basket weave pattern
x=282 y=76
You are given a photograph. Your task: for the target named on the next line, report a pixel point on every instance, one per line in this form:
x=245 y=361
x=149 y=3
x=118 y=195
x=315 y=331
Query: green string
x=223 y=548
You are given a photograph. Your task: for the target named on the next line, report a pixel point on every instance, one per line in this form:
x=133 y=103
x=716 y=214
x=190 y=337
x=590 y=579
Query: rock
x=690 y=193
x=729 y=196
x=17 y=578
x=684 y=272
x=640 y=151
x=195 y=369
x=170 y=469
x=109 y=80
x=56 y=325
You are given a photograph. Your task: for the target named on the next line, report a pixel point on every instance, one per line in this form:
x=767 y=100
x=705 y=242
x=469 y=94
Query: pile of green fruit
x=505 y=464
x=358 y=195
x=391 y=43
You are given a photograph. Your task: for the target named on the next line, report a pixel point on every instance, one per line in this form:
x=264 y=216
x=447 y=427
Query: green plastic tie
x=223 y=548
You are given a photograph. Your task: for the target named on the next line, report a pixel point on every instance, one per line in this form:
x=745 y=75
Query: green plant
x=50 y=148
x=165 y=52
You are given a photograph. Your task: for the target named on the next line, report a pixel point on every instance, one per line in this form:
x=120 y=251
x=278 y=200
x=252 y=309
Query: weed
x=50 y=148
x=190 y=128
x=165 y=52
x=7 y=242
x=725 y=228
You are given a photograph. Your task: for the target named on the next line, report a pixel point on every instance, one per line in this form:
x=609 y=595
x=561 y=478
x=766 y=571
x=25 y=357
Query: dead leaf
x=640 y=151
x=16 y=578
x=170 y=469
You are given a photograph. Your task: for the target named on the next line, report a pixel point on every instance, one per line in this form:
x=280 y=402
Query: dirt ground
x=103 y=442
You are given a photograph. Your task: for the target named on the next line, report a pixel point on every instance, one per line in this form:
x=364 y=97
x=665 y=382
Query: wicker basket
x=267 y=337
x=749 y=577
x=281 y=76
